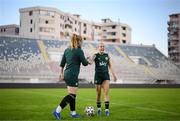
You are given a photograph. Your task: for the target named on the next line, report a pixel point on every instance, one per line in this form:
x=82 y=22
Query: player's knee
x=98 y=94
x=105 y=93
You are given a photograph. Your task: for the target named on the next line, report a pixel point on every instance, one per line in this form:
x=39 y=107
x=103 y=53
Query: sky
x=147 y=18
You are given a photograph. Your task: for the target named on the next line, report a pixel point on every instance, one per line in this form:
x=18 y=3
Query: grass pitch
x=130 y=104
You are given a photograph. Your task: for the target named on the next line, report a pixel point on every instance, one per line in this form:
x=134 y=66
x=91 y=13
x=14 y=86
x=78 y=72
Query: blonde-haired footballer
x=72 y=58
x=102 y=78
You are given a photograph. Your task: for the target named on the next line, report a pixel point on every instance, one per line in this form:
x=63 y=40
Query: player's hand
x=114 y=78
x=89 y=60
x=61 y=77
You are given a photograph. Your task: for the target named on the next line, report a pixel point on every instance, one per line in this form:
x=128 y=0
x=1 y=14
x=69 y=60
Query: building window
x=4 y=29
x=84 y=32
x=75 y=22
x=46 y=29
x=123 y=34
x=62 y=17
x=46 y=21
x=30 y=29
x=123 y=28
x=31 y=21
x=113 y=40
x=17 y=30
x=1 y=30
x=113 y=33
x=68 y=26
x=104 y=37
x=123 y=41
x=168 y=43
x=113 y=27
x=30 y=13
x=84 y=38
x=47 y=13
x=84 y=25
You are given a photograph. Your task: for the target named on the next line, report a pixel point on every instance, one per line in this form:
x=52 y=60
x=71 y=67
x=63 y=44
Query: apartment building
x=11 y=29
x=174 y=38
x=51 y=23
x=115 y=32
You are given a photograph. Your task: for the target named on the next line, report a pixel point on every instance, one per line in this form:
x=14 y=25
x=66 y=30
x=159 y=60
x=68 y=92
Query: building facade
x=115 y=32
x=11 y=29
x=51 y=23
x=174 y=38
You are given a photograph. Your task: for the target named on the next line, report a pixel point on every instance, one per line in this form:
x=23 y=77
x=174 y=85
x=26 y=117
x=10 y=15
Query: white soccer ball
x=90 y=111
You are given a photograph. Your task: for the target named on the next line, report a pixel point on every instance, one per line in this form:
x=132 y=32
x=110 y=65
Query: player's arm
x=83 y=60
x=62 y=65
x=92 y=59
x=111 y=70
x=61 y=75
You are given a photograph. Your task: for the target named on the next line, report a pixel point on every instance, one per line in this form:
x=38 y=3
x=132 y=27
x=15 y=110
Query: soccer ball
x=89 y=110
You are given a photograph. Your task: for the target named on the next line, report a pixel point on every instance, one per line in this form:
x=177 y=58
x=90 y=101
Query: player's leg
x=98 y=98
x=68 y=99
x=98 y=83
x=72 y=92
x=72 y=82
x=98 y=93
x=106 y=96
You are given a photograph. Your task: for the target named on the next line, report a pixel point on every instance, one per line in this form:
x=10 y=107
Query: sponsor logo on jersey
x=102 y=63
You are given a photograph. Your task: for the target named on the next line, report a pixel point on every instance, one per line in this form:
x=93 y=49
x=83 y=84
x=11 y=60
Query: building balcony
x=171 y=38
x=173 y=51
x=174 y=45
x=110 y=37
x=174 y=29
x=173 y=41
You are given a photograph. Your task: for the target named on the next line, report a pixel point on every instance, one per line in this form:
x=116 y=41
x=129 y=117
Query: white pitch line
x=152 y=109
x=138 y=107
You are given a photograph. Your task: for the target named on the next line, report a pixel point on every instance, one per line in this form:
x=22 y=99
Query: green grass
x=125 y=104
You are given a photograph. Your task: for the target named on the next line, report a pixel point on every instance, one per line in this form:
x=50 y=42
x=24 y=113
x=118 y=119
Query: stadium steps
x=43 y=50
x=93 y=50
x=123 y=54
x=28 y=58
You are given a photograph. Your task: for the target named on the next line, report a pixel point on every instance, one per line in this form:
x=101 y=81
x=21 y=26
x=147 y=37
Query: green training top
x=73 y=59
x=101 y=62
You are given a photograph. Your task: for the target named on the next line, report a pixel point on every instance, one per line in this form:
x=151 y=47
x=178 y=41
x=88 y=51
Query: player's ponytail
x=76 y=41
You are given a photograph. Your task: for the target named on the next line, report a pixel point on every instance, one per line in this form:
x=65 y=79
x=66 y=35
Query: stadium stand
x=35 y=61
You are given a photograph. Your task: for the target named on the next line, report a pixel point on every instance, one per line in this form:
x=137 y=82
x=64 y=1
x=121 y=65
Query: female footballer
x=72 y=58
x=102 y=78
